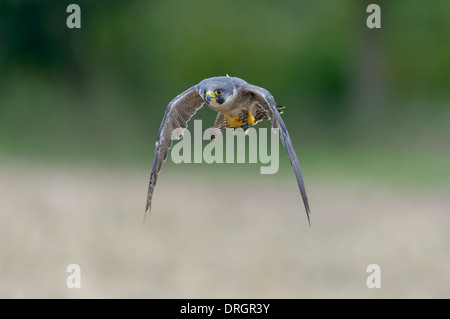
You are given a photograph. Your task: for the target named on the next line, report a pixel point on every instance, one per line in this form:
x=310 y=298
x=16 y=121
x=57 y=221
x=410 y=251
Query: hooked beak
x=210 y=95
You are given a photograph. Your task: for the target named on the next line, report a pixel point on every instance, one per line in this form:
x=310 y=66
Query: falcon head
x=217 y=91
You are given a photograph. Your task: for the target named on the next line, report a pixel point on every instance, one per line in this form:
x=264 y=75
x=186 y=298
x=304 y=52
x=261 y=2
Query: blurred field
x=215 y=238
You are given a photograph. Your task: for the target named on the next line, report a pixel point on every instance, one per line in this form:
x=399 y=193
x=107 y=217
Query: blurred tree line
x=107 y=84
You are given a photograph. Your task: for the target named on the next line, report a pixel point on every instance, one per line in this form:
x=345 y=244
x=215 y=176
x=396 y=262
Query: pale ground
x=206 y=239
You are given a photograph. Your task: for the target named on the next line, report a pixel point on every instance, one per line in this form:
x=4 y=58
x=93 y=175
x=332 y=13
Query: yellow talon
x=234 y=121
x=250 y=118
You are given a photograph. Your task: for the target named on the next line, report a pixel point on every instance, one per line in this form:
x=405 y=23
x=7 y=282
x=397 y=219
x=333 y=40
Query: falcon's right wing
x=178 y=113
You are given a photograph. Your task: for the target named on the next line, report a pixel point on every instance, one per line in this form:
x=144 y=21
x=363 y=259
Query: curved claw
x=234 y=121
x=250 y=119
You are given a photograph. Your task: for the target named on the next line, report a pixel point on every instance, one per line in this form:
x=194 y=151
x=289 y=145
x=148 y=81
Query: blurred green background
x=100 y=91
x=365 y=107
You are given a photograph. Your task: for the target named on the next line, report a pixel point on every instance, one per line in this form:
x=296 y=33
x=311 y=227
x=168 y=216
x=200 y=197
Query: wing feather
x=268 y=103
x=178 y=113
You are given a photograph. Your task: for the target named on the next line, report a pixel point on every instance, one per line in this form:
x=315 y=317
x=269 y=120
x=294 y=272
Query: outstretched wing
x=267 y=101
x=178 y=113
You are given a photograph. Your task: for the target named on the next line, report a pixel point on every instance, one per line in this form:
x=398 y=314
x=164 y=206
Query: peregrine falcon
x=238 y=103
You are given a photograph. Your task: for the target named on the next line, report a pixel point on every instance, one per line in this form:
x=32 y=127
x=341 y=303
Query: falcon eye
x=218 y=92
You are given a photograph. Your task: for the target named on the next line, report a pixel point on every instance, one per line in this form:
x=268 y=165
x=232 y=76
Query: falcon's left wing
x=267 y=101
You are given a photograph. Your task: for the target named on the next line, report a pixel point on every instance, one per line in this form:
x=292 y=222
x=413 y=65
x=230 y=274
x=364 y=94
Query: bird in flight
x=238 y=103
